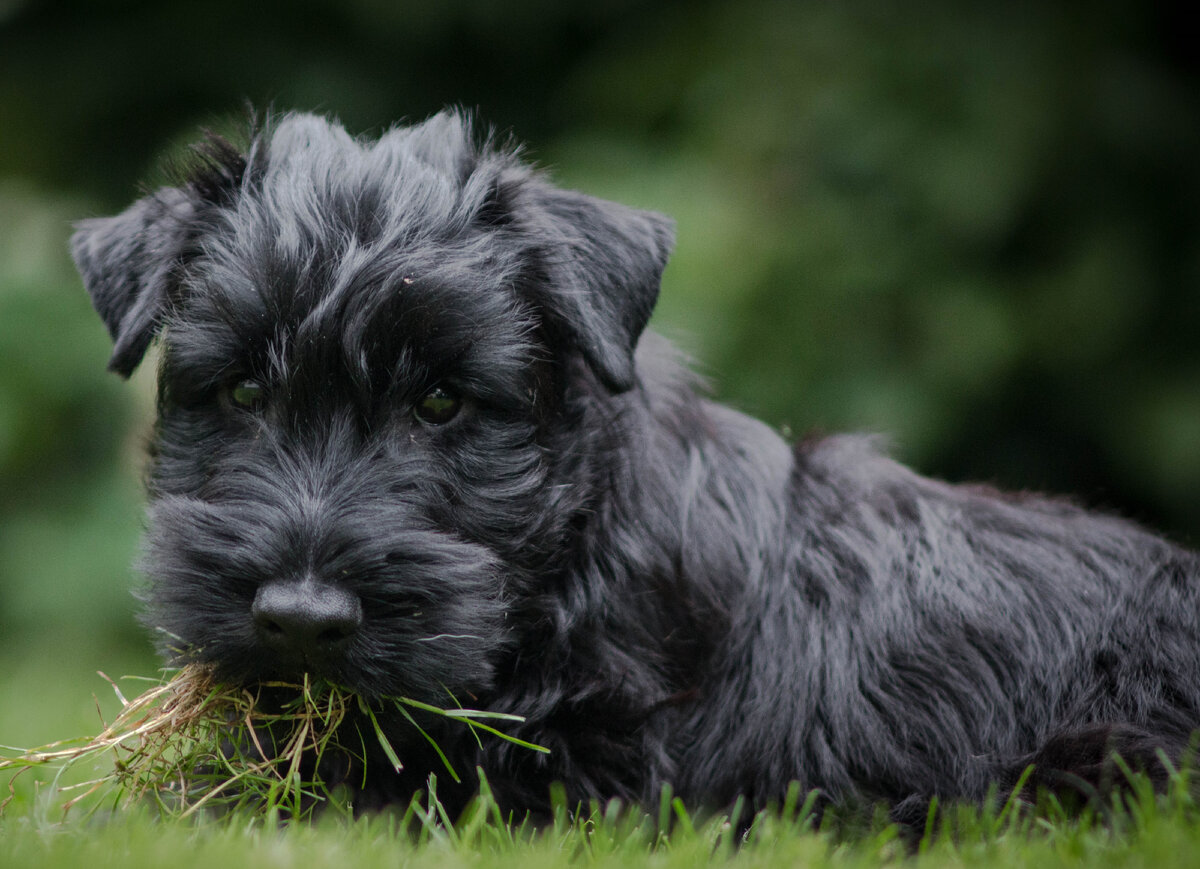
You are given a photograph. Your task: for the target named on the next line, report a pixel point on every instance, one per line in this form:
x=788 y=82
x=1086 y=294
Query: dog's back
x=932 y=640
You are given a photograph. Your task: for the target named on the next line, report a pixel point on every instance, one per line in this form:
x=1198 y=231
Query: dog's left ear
x=605 y=264
x=128 y=262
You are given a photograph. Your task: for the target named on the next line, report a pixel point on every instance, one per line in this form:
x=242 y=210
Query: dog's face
x=368 y=394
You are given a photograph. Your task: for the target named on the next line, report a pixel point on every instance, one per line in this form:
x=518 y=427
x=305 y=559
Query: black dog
x=405 y=443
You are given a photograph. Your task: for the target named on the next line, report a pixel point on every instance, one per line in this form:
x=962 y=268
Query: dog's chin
x=257 y=668
x=309 y=673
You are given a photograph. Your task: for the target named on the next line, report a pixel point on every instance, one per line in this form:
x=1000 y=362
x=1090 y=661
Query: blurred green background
x=971 y=226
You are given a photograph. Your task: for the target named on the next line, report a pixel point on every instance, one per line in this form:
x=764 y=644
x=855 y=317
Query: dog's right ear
x=128 y=263
x=605 y=262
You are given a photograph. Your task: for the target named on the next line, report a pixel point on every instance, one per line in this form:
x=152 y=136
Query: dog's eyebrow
x=396 y=341
x=410 y=321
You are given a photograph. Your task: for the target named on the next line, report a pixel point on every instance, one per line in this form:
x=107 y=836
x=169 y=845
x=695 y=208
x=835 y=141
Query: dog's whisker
x=449 y=637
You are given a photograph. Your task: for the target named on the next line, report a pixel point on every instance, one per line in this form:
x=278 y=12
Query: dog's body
x=404 y=444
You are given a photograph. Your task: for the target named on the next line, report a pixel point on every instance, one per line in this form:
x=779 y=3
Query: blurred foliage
x=68 y=507
x=971 y=226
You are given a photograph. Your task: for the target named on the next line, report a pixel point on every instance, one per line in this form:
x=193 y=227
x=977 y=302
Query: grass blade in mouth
x=471 y=718
x=191 y=743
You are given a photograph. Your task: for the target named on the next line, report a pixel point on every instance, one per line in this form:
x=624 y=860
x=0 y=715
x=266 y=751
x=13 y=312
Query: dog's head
x=369 y=352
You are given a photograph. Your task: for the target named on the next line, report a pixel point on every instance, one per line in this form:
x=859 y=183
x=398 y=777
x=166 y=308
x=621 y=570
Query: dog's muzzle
x=305 y=622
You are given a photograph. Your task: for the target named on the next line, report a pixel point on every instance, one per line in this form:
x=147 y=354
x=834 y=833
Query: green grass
x=1144 y=831
x=1160 y=832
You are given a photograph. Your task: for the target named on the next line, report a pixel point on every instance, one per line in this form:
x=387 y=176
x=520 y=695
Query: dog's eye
x=439 y=406
x=248 y=394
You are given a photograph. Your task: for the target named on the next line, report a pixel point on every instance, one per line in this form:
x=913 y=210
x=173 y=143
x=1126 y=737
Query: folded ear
x=605 y=262
x=128 y=263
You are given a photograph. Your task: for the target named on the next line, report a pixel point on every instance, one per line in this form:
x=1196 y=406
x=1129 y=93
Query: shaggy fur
x=665 y=589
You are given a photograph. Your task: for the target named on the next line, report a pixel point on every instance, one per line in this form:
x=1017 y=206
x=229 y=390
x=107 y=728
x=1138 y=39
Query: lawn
x=1156 y=834
x=1147 y=831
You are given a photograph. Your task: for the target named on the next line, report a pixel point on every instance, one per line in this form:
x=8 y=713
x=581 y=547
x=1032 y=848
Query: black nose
x=305 y=620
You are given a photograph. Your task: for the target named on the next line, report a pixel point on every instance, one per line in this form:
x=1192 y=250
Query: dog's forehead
x=336 y=228
x=420 y=183
x=423 y=197
x=359 y=255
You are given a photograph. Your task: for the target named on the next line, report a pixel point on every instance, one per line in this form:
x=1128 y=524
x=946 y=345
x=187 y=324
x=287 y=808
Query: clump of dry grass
x=190 y=744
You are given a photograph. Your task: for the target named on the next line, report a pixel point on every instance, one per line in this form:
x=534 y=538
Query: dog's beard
x=433 y=606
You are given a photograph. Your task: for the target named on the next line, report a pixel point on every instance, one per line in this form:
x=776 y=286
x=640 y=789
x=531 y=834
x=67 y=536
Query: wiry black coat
x=661 y=586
